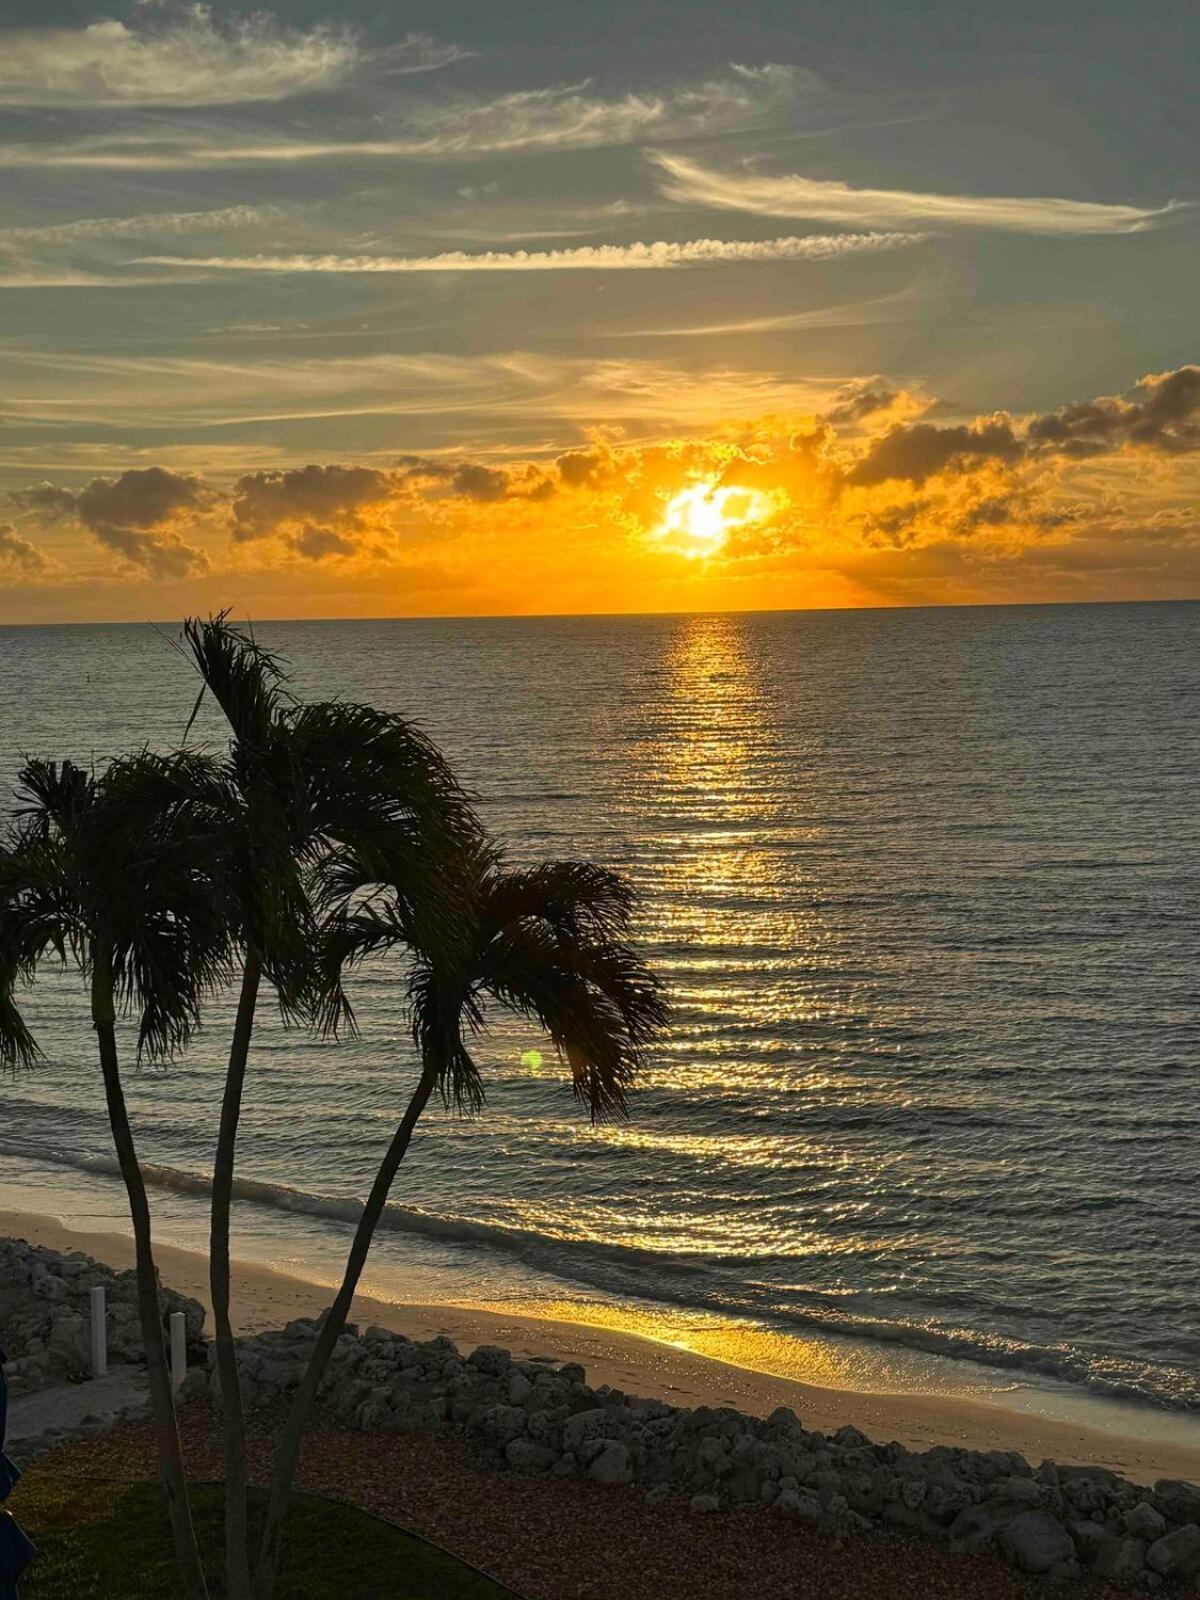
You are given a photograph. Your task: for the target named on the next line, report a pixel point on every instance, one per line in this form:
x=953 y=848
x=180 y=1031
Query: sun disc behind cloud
x=698 y=519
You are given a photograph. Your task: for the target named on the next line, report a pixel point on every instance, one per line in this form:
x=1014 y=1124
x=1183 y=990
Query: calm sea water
x=925 y=887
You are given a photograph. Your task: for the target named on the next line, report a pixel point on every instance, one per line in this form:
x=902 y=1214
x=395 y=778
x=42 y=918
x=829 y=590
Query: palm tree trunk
x=233 y=1422
x=288 y=1450
x=162 y=1404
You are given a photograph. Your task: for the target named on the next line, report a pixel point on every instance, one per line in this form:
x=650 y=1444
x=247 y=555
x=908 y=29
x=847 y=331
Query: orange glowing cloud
x=870 y=501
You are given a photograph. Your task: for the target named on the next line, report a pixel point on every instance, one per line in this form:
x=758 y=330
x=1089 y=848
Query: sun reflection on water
x=821 y=1361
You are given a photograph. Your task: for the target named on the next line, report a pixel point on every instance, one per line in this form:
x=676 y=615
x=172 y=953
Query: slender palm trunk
x=233 y=1422
x=288 y=1450
x=162 y=1404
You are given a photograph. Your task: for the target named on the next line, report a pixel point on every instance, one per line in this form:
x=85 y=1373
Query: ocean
x=925 y=888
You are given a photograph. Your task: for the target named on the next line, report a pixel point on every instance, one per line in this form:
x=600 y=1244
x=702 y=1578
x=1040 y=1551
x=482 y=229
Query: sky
x=474 y=310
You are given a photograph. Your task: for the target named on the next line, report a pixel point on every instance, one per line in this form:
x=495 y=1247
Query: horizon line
x=611 y=616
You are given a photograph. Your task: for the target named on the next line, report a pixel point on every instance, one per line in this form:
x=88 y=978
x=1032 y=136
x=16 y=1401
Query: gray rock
x=194 y=1386
x=784 y=1420
x=69 y=1344
x=1090 y=1538
x=489 y=1358
x=502 y=1423
x=523 y=1455
x=827 y=1483
x=976 y=1525
x=1020 y=1491
x=850 y=1437
x=1176 y=1554
x=1087 y=1495
x=588 y=1450
x=1178 y=1502
x=704 y=1504
x=584 y=1425
x=913 y=1492
x=907 y=1520
x=46 y=1312
x=373 y=1413
x=799 y=1504
x=1144 y=1522
x=612 y=1465
x=1098 y=1475
x=1036 y=1542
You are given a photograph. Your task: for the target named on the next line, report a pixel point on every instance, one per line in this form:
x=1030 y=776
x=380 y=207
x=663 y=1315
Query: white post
x=178 y=1348
x=99 y=1333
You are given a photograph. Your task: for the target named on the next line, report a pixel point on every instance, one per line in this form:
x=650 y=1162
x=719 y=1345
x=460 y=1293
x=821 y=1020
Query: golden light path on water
x=824 y=1363
x=855 y=1366
x=716 y=888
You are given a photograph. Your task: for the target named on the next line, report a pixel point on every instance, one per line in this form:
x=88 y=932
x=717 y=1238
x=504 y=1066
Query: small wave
x=683 y=1279
x=346 y=1208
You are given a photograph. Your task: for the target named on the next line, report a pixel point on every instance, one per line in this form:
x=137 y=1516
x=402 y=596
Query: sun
x=697 y=521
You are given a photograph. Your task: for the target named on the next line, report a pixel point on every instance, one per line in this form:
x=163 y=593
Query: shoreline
x=265 y=1298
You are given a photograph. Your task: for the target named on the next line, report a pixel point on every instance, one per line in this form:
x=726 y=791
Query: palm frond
x=439 y=1008
x=597 y=1000
x=18 y=1047
x=131 y=865
x=546 y=943
x=362 y=772
x=53 y=795
x=159 y=889
x=580 y=899
x=248 y=682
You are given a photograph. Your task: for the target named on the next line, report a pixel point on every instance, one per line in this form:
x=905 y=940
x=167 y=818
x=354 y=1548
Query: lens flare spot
x=531 y=1060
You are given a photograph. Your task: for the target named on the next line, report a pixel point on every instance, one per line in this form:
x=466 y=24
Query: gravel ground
x=568 y=1539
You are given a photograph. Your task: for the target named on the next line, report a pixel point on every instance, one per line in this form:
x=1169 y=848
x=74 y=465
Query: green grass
x=109 y=1541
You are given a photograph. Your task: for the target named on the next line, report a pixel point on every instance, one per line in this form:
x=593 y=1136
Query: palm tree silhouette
x=325 y=834
x=312 y=788
x=123 y=877
x=548 y=942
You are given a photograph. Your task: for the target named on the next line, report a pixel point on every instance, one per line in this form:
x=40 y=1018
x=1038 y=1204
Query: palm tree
x=550 y=943
x=311 y=787
x=122 y=876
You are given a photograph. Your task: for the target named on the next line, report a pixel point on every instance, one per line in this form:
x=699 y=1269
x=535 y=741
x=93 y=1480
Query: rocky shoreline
x=45 y=1315
x=535 y=1417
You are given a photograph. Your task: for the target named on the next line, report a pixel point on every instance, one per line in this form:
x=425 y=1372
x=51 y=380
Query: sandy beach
x=264 y=1298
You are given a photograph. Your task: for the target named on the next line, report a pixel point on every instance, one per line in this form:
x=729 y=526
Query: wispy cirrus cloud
x=161 y=223
x=573 y=116
x=904 y=305
x=823 y=200
x=191 y=58
x=446 y=398
x=456 y=127
x=600 y=257
x=40 y=275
